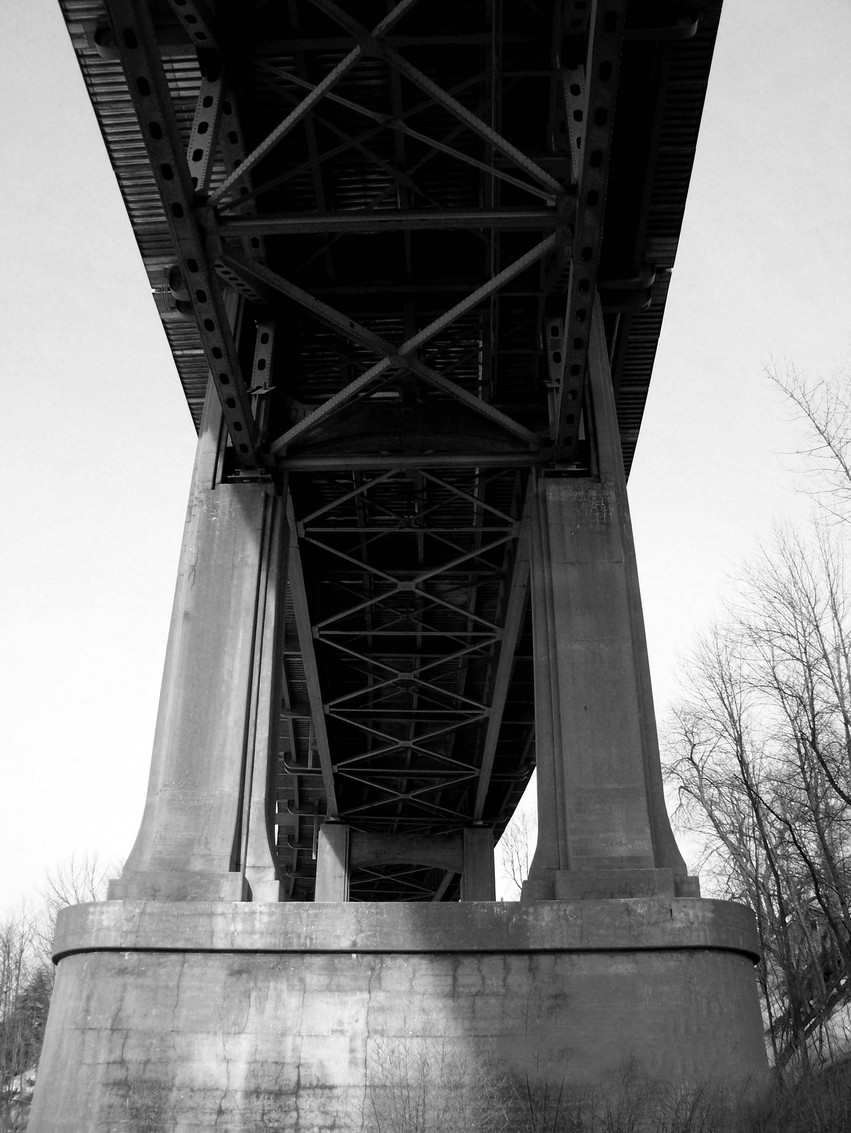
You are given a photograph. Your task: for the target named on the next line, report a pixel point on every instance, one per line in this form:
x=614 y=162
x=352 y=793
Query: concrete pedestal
x=245 y=1017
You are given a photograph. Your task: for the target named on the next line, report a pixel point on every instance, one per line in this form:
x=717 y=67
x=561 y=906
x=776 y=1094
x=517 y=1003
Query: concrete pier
x=190 y=1001
x=246 y=1017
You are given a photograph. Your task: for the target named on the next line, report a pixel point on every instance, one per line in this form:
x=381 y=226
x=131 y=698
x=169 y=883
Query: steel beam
x=205 y=132
x=597 y=103
x=148 y=88
x=515 y=614
x=432 y=461
x=311 y=670
x=389 y=220
x=198 y=21
x=445 y=882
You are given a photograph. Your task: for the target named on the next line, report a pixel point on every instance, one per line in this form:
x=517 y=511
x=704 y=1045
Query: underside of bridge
x=412 y=261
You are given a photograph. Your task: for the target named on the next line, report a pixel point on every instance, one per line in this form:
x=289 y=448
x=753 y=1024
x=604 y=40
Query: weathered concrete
x=247 y=1017
x=332 y=862
x=218 y=714
x=603 y=829
x=397 y=927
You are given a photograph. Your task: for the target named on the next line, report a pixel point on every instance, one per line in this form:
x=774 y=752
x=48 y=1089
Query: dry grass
x=431 y=1087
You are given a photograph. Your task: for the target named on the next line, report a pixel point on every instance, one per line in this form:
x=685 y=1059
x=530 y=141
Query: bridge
x=412 y=261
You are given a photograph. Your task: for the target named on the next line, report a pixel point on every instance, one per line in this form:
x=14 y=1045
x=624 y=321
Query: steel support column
x=203 y=833
x=603 y=828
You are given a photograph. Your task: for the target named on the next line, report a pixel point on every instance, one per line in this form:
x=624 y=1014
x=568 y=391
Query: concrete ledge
x=633 y=924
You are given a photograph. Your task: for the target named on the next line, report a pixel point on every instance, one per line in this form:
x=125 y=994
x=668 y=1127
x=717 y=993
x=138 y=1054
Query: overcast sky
x=98 y=444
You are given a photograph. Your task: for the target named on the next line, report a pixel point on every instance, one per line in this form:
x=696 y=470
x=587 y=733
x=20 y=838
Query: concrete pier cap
x=250 y=1016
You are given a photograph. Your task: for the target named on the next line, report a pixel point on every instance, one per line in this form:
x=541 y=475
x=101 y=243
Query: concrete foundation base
x=246 y=1017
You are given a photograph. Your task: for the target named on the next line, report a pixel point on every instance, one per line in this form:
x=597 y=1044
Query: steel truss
x=418 y=581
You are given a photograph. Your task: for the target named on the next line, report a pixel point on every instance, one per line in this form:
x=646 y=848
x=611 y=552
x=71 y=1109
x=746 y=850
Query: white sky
x=98 y=444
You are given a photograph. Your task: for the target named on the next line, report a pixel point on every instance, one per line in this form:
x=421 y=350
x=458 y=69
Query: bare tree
x=761 y=748
x=517 y=847
x=761 y=756
x=719 y=763
x=824 y=405
x=26 y=981
x=25 y=985
x=81 y=879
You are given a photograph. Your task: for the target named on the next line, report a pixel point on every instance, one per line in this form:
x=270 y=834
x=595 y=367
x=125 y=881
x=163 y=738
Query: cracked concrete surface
x=149 y=1041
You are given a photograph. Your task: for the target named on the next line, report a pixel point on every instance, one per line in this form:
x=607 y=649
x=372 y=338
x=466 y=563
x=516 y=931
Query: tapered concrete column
x=332 y=862
x=603 y=829
x=477 y=879
x=204 y=821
